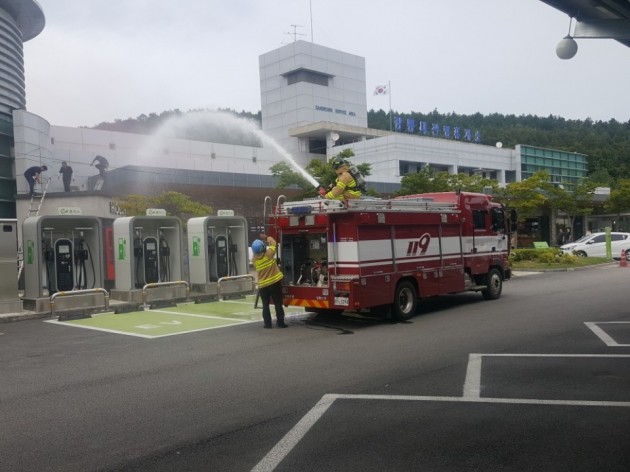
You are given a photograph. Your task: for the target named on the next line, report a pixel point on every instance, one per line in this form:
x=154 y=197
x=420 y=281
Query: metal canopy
x=598 y=18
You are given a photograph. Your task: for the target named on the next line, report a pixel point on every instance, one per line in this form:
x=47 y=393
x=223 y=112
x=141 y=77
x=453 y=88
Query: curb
x=516 y=272
x=27 y=315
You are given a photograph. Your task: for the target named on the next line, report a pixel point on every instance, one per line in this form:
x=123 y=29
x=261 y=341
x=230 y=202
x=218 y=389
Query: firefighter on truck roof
x=346 y=186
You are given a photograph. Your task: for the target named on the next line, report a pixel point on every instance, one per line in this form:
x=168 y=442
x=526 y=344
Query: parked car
x=594 y=245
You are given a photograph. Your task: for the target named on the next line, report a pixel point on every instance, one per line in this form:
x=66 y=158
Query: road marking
x=203 y=316
x=295 y=435
x=472 y=383
x=107 y=330
x=250 y=303
x=153 y=324
x=471 y=394
x=603 y=335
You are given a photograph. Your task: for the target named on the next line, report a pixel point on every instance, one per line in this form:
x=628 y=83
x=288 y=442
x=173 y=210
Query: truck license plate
x=343 y=301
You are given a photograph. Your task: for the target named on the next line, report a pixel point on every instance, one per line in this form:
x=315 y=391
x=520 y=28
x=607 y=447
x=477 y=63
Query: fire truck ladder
x=393 y=205
x=35 y=205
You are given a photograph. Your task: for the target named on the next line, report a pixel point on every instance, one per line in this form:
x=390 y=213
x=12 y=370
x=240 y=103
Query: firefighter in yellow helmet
x=345 y=187
x=269 y=279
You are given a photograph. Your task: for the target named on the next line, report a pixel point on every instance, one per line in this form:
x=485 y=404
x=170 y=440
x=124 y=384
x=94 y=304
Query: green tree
x=619 y=201
x=321 y=171
x=427 y=180
x=528 y=196
x=421 y=182
x=578 y=202
x=175 y=204
x=467 y=183
x=602 y=178
x=287 y=176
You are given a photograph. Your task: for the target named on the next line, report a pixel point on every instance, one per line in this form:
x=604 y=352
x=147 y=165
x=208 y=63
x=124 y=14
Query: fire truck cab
x=384 y=255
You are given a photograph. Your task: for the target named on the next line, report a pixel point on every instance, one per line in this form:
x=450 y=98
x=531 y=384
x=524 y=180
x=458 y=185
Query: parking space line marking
x=250 y=303
x=472 y=384
x=291 y=439
x=552 y=355
x=191 y=331
x=137 y=335
x=232 y=322
x=517 y=401
x=95 y=328
x=205 y=316
x=603 y=335
x=294 y=436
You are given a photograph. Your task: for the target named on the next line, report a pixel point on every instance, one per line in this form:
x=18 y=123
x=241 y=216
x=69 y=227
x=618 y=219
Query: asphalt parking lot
x=538 y=380
x=513 y=407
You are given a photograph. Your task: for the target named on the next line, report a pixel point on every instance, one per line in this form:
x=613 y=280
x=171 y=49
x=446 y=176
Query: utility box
x=10 y=301
x=218 y=256
x=148 y=250
x=61 y=254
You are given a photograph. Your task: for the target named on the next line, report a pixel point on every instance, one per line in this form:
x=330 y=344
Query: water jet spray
x=221 y=121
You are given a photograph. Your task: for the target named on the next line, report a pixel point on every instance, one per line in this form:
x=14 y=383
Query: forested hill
x=607 y=144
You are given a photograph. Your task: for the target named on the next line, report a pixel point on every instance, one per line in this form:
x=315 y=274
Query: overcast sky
x=101 y=60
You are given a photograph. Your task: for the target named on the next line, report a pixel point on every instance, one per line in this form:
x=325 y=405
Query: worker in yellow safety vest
x=269 y=279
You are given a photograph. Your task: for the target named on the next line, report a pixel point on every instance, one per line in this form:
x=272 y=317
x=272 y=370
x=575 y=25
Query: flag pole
x=389 y=89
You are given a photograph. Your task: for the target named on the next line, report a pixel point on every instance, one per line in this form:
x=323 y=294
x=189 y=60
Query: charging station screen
x=150 y=246
x=63 y=249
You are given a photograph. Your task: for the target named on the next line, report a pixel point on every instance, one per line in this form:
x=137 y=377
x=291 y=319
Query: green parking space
x=180 y=319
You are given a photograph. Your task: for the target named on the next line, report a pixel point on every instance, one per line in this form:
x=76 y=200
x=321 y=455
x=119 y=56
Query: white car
x=594 y=245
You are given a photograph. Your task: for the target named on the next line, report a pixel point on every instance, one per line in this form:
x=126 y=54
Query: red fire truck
x=385 y=255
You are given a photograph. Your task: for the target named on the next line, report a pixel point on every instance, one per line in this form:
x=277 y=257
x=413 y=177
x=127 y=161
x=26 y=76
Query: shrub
x=544 y=256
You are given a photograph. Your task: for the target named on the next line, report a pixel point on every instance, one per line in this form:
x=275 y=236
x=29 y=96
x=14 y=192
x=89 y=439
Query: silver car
x=594 y=245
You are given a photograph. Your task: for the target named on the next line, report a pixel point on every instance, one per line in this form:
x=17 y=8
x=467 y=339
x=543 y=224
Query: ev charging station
x=61 y=254
x=148 y=250
x=218 y=256
x=10 y=301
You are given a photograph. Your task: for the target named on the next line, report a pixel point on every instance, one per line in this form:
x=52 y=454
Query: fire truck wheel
x=405 y=301
x=494 y=283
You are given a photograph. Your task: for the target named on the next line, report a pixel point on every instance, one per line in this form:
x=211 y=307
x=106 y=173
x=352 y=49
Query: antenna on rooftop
x=295 y=33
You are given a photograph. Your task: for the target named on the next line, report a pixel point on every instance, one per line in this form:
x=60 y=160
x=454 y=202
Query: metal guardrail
x=71 y=293
x=233 y=278
x=163 y=284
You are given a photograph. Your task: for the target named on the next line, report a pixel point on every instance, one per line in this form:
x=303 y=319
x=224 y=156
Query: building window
x=303 y=75
x=317 y=146
x=409 y=167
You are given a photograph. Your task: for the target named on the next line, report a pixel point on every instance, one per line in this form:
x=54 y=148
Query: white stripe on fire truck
x=381 y=250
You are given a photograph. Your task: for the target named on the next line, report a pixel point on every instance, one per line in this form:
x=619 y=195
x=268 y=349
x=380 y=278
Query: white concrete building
x=304 y=83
